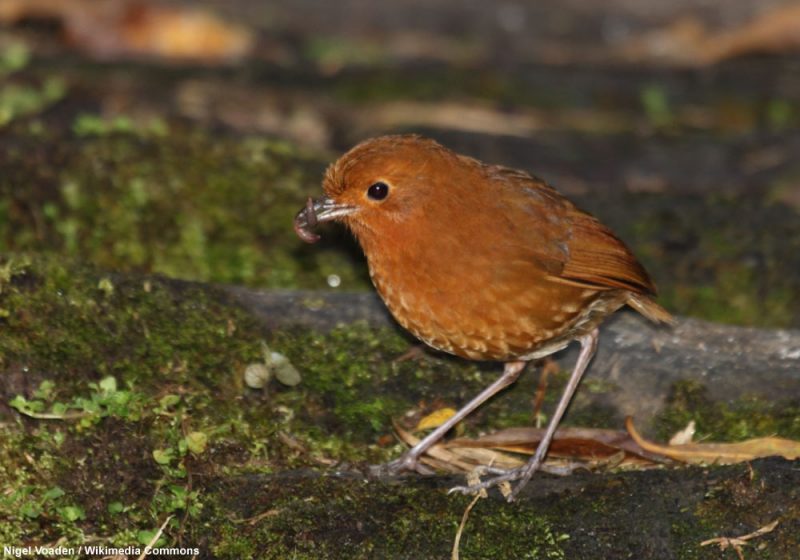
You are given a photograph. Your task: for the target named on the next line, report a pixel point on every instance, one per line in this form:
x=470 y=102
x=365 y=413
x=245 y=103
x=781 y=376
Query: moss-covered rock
x=167 y=199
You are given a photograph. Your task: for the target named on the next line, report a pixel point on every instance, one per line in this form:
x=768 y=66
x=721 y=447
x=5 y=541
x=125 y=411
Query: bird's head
x=378 y=185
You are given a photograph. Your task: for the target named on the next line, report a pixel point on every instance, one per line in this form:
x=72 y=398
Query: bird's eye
x=378 y=191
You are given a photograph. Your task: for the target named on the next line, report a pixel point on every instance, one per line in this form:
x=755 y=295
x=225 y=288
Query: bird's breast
x=476 y=309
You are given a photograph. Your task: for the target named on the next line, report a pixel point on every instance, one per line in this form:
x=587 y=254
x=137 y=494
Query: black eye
x=378 y=191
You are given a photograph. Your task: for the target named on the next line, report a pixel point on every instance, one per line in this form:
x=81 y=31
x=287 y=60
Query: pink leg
x=409 y=461
x=524 y=473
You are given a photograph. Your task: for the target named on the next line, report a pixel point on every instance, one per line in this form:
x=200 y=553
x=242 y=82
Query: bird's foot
x=523 y=474
x=500 y=478
x=407 y=462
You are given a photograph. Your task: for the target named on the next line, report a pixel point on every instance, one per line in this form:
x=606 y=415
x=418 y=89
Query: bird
x=482 y=261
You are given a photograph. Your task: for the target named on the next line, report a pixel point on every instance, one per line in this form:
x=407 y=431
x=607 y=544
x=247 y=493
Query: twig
x=464 y=517
x=738 y=542
x=472 y=478
x=155 y=538
x=548 y=366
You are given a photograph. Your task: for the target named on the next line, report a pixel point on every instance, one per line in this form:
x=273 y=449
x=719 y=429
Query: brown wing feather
x=599 y=258
x=571 y=245
x=535 y=213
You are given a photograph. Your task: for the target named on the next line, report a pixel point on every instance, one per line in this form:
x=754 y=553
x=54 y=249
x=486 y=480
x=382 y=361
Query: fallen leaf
x=685 y=435
x=135 y=28
x=574 y=448
x=572 y=443
x=435 y=419
x=458 y=461
x=719 y=453
x=688 y=41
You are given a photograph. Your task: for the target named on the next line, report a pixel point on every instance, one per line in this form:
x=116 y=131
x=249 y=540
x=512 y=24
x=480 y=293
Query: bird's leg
x=588 y=348
x=409 y=461
x=524 y=473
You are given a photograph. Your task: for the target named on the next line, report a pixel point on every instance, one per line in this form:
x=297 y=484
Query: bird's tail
x=650 y=309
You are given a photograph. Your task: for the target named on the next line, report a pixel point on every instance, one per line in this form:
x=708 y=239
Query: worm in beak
x=316 y=211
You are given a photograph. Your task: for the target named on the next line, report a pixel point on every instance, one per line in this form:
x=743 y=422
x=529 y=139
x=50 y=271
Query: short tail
x=650 y=309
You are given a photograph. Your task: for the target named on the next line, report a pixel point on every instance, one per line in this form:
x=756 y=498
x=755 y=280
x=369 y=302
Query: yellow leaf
x=720 y=453
x=435 y=419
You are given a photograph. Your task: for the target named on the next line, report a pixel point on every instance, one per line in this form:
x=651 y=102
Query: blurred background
x=181 y=137
x=144 y=140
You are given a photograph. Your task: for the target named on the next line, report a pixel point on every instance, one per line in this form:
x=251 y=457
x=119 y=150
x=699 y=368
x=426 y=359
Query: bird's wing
x=597 y=257
x=572 y=246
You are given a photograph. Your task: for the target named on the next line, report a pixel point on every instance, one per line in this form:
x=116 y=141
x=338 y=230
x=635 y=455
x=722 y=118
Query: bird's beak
x=315 y=211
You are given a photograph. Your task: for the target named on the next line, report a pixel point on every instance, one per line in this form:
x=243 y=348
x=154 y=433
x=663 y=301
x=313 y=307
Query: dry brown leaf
x=459 y=460
x=775 y=31
x=138 y=28
x=688 y=41
x=480 y=117
x=572 y=443
x=571 y=448
x=719 y=453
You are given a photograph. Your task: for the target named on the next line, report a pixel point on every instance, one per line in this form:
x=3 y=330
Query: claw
x=405 y=463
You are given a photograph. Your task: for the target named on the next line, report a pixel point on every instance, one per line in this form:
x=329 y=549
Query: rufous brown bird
x=480 y=261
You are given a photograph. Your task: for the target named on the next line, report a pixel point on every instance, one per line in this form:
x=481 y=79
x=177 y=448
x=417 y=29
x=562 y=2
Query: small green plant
x=656 y=105
x=30 y=505
x=106 y=399
x=13 y=57
x=781 y=114
x=19 y=101
x=174 y=493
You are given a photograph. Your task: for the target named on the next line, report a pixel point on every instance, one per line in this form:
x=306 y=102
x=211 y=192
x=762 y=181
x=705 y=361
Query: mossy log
x=641 y=360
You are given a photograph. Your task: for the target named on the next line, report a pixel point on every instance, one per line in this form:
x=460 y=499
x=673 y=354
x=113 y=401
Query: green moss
x=94 y=125
x=735 y=297
x=642 y=514
x=156 y=198
x=14 y=56
x=139 y=369
x=168 y=199
x=176 y=433
x=726 y=421
x=146 y=377
x=724 y=258
x=332 y=53
x=412 y=522
x=781 y=113
x=746 y=503
x=656 y=105
x=19 y=99
x=357 y=388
